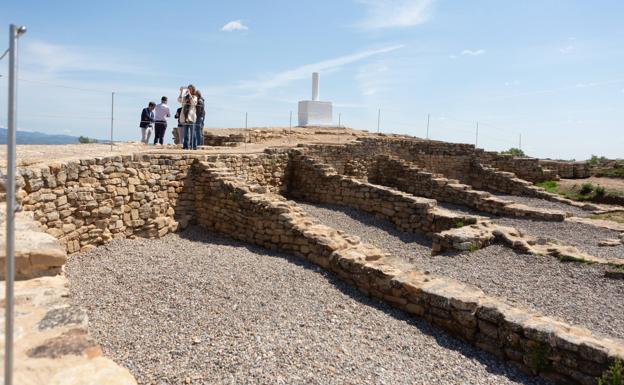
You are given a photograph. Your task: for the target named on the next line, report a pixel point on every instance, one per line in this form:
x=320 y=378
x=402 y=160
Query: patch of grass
x=572 y=258
x=614 y=375
x=549 y=185
x=586 y=188
x=473 y=247
x=599 y=191
x=459 y=224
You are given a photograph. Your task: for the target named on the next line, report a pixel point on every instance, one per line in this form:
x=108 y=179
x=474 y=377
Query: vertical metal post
x=520 y=141
x=378 y=119
x=246 y=132
x=477 y=136
x=112 y=118
x=428 y=117
x=10 y=205
x=340 y=120
x=290 y=124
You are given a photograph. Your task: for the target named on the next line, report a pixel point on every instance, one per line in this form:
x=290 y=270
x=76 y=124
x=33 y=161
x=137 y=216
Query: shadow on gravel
x=489 y=361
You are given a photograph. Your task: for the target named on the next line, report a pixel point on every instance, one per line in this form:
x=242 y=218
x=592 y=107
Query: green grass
x=549 y=185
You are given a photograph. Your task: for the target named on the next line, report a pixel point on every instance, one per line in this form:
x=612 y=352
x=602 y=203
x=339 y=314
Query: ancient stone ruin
x=416 y=185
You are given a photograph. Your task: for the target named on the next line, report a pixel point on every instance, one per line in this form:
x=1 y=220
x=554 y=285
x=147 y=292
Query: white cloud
x=395 y=13
x=235 y=25
x=370 y=78
x=305 y=71
x=55 y=58
x=569 y=47
x=472 y=52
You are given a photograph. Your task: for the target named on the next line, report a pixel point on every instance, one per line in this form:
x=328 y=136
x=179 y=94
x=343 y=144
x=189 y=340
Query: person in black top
x=147 y=120
x=198 y=136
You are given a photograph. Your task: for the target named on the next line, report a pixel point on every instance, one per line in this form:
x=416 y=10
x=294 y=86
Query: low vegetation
x=614 y=375
x=85 y=139
x=579 y=192
x=615 y=217
x=514 y=152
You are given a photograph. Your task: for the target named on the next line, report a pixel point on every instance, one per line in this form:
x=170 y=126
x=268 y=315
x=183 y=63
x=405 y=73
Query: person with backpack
x=198 y=136
x=178 y=133
x=147 y=119
x=188 y=115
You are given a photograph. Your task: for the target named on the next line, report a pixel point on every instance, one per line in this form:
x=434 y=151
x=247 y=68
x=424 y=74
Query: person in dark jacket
x=200 y=112
x=147 y=121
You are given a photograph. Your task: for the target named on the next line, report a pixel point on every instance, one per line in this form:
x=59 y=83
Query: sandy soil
x=608 y=183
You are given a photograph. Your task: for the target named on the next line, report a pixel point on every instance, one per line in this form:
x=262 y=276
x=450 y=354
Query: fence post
x=428 y=117
x=378 y=119
x=112 y=118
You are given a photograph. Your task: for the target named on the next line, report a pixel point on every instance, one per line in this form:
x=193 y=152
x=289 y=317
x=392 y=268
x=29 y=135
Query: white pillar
x=315 y=86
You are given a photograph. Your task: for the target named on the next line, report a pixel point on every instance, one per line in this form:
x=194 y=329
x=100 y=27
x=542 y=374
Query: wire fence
x=61 y=109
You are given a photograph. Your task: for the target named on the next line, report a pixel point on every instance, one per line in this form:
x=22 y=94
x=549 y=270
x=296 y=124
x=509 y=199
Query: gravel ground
x=544 y=204
x=584 y=237
x=198 y=308
x=574 y=292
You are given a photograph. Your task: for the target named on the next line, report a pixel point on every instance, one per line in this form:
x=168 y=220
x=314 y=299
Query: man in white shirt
x=161 y=113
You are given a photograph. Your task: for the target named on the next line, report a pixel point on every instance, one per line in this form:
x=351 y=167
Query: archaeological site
x=311 y=255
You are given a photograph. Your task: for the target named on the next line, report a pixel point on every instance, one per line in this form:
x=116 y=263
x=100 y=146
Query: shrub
x=595 y=160
x=600 y=191
x=586 y=188
x=85 y=139
x=613 y=375
x=514 y=152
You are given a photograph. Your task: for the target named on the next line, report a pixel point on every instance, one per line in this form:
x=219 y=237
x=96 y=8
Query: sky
x=546 y=75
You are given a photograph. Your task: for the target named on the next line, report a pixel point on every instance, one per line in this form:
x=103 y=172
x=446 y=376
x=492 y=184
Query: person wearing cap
x=161 y=113
x=188 y=115
x=147 y=118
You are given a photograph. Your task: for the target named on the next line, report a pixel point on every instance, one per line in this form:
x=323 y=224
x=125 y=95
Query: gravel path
x=574 y=292
x=544 y=204
x=197 y=308
x=584 y=237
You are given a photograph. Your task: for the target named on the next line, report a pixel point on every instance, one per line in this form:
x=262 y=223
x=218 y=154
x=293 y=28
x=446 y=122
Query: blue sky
x=550 y=70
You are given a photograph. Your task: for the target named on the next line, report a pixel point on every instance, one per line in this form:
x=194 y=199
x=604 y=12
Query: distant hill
x=29 y=137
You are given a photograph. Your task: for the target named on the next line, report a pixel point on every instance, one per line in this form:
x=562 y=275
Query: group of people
x=190 y=118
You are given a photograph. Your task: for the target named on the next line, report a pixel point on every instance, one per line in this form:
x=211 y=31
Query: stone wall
x=537 y=344
x=92 y=201
x=525 y=168
x=569 y=170
x=397 y=173
x=318 y=182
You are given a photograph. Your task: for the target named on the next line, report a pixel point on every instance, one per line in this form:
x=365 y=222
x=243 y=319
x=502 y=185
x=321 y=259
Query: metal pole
x=520 y=141
x=428 y=117
x=112 y=118
x=477 y=136
x=14 y=33
x=246 y=133
x=339 y=119
x=290 y=124
x=378 y=119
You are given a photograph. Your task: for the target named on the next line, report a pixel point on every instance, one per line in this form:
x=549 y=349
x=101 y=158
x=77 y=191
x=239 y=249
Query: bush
x=85 y=139
x=595 y=160
x=514 y=152
x=586 y=188
x=600 y=191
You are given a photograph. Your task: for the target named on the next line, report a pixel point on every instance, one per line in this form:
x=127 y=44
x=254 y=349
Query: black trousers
x=160 y=128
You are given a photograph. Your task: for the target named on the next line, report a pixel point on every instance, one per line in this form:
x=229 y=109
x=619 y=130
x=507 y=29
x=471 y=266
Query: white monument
x=314 y=112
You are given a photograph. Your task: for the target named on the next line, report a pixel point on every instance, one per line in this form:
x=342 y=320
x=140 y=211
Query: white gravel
x=198 y=308
x=574 y=292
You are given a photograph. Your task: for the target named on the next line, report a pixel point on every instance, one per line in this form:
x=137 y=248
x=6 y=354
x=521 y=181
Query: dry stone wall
x=92 y=201
x=397 y=173
x=318 y=182
x=537 y=344
x=569 y=170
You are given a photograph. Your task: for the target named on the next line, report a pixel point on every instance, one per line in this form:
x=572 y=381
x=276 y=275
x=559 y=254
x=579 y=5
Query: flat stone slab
x=51 y=341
